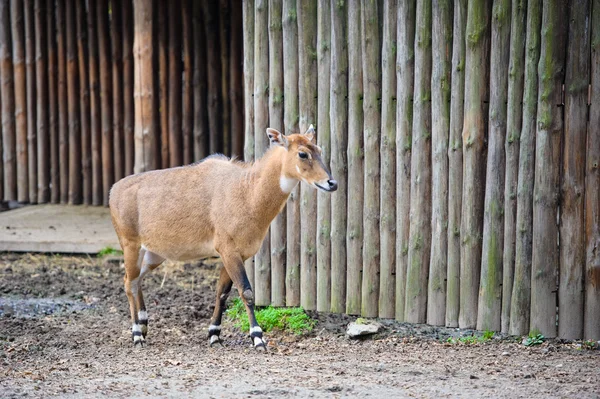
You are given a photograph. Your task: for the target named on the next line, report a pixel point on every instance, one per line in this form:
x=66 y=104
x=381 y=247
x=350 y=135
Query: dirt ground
x=65 y=331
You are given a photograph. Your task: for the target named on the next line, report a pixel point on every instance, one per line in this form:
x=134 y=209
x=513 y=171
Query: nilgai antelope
x=216 y=207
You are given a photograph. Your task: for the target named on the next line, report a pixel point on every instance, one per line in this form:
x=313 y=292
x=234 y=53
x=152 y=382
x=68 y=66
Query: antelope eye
x=303 y=155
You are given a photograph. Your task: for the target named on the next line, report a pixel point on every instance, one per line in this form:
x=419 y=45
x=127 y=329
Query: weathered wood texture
x=236 y=81
x=174 y=79
x=31 y=99
x=591 y=316
x=572 y=202
x=84 y=105
x=473 y=137
x=95 y=121
x=324 y=141
x=547 y=168
x=404 y=118
x=162 y=45
x=262 y=260
x=187 y=94
x=106 y=114
x=8 y=106
x=521 y=286
x=490 y=291
x=387 y=224
x=20 y=98
x=290 y=122
x=278 y=227
x=354 y=235
x=116 y=33
x=41 y=74
x=339 y=157
x=53 y=105
x=200 y=134
x=213 y=62
x=73 y=105
x=128 y=106
x=419 y=243
x=307 y=106
x=511 y=146
x=441 y=42
x=455 y=163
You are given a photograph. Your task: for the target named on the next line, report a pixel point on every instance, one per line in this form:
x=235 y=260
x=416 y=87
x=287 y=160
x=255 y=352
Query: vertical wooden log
x=200 y=84
x=8 y=105
x=290 y=122
x=248 y=32
x=31 y=100
x=163 y=79
x=116 y=29
x=572 y=222
x=387 y=275
x=339 y=158
x=547 y=169
x=84 y=103
x=441 y=40
x=236 y=82
x=73 y=98
x=490 y=290
x=521 y=291
x=511 y=145
x=187 y=117
x=53 y=105
x=307 y=85
x=591 y=316
x=41 y=72
x=63 y=124
x=105 y=98
x=224 y=29
x=262 y=264
x=354 y=239
x=324 y=141
x=174 y=79
x=455 y=163
x=419 y=249
x=95 y=121
x=473 y=135
x=145 y=126
x=211 y=31
x=278 y=227
x=128 y=113
x=20 y=79
x=404 y=119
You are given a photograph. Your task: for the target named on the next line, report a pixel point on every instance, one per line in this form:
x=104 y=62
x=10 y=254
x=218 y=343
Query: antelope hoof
x=215 y=341
x=138 y=340
x=144 y=327
x=259 y=344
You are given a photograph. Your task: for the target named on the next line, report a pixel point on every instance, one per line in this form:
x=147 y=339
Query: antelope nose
x=332 y=185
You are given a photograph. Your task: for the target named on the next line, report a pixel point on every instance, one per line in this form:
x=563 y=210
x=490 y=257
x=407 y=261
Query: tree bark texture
x=200 y=85
x=95 y=121
x=213 y=61
x=53 y=106
x=405 y=70
x=174 y=79
x=31 y=100
x=84 y=104
x=105 y=99
x=236 y=89
x=73 y=99
x=63 y=112
x=128 y=106
x=163 y=81
x=8 y=105
x=20 y=91
x=116 y=32
x=187 y=99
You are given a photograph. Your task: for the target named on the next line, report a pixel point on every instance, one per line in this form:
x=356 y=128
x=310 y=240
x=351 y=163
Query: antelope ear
x=310 y=133
x=277 y=138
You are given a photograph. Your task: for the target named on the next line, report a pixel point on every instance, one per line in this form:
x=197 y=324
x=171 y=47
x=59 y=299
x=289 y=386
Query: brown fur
x=215 y=207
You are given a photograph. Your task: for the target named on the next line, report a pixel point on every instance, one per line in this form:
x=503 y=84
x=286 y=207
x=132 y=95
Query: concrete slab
x=57 y=228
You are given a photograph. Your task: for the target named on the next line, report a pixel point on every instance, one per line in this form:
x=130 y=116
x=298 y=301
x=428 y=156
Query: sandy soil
x=64 y=331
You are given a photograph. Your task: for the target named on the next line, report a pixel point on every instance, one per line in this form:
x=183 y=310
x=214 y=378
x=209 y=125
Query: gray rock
x=361 y=329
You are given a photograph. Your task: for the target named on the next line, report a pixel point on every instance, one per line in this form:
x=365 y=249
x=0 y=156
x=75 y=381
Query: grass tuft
x=293 y=320
x=106 y=251
x=472 y=339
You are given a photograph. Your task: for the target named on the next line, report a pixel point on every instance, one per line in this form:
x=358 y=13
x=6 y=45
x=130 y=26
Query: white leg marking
x=212 y=328
x=136 y=328
x=255 y=330
x=214 y=338
x=143 y=315
x=258 y=341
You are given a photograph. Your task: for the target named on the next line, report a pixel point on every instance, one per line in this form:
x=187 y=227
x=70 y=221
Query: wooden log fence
x=464 y=137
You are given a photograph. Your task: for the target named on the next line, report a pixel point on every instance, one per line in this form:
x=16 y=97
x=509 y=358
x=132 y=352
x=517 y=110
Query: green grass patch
x=293 y=320
x=472 y=339
x=534 y=338
x=106 y=251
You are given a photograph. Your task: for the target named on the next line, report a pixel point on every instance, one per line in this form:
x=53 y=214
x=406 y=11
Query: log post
x=339 y=157
x=174 y=79
x=511 y=146
x=116 y=32
x=490 y=285
x=20 y=91
x=145 y=127
x=547 y=169
x=187 y=115
x=199 y=85
x=95 y=121
x=572 y=222
x=290 y=122
x=387 y=274
x=53 y=105
x=211 y=31
x=324 y=141
x=236 y=82
x=8 y=105
x=307 y=87
x=163 y=78
x=354 y=238
x=31 y=100
x=224 y=12
x=591 y=316
x=84 y=103
x=521 y=288
x=105 y=98
x=441 y=42
x=419 y=249
x=73 y=98
x=404 y=117
x=128 y=112
x=262 y=271
x=278 y=227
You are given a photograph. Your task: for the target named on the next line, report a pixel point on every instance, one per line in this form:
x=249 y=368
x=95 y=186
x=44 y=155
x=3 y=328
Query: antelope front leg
x=234 y=266
x=223 y=289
